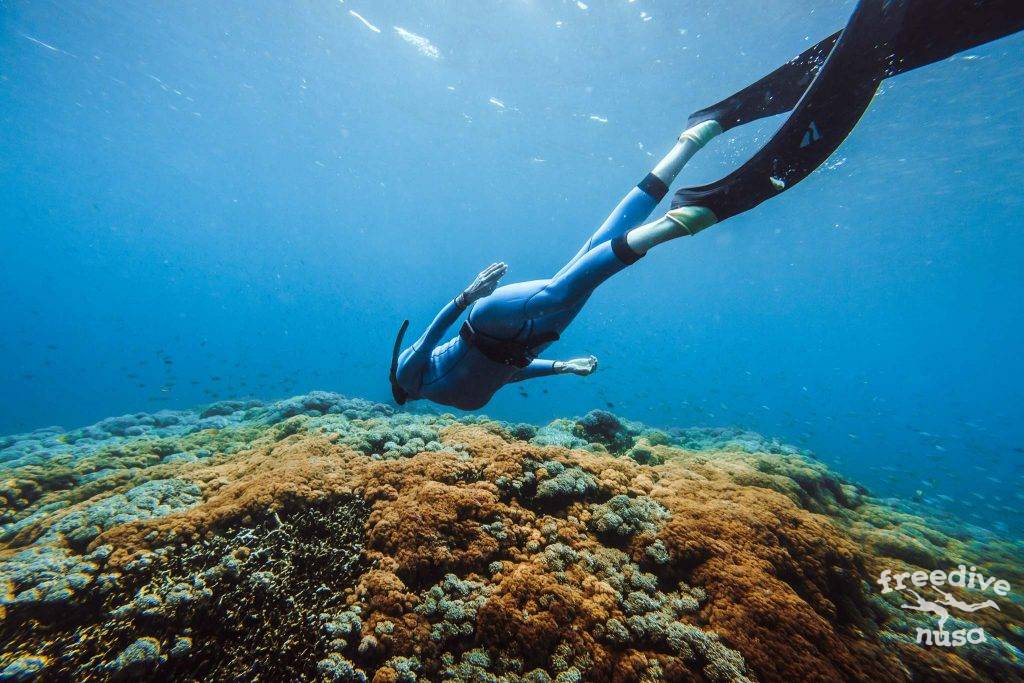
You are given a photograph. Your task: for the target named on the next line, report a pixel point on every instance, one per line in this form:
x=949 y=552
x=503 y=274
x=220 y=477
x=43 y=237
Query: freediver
x=508 y=327
x=827 y=88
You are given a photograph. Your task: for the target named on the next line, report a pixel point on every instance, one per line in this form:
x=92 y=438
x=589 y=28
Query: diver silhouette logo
x=928 y=606
x=961 y=577
x=948 y=599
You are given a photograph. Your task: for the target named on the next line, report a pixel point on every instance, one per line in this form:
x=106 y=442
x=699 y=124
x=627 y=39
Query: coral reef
x=325 y=538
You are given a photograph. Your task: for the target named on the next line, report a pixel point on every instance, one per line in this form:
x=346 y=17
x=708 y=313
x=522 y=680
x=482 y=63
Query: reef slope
x=327 y=538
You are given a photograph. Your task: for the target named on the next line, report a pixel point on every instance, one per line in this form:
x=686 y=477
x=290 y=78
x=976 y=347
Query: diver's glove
x=484 y=284
x=576 y=366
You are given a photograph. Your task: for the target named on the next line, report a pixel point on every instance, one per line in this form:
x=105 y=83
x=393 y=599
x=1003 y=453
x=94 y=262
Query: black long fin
x=825 y=114
x=932 y=30
x=776 y=93
x=883 y=38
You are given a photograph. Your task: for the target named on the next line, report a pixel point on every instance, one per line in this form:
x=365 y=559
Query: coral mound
x=334 y=539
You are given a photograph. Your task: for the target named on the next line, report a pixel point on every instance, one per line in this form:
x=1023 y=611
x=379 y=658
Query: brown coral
x=785 y=585
x=502 y=557
x=299 y=469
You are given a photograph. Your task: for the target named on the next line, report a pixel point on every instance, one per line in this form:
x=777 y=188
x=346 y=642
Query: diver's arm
x=536 y=368
x=413 y=358
x=544 y=368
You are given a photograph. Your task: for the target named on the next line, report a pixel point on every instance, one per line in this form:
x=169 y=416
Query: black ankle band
x=654 y=186
x=624 y=251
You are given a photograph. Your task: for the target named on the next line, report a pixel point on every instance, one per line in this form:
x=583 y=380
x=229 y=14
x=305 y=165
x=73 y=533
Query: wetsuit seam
x=446 y=372
x=526 y=304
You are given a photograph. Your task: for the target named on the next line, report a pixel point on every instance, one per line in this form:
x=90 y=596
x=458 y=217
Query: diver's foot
x=691 y=219
x=681 y=222
x=689 y=143
x=701 y=134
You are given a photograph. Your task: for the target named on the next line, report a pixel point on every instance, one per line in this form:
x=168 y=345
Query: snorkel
x=400 y=394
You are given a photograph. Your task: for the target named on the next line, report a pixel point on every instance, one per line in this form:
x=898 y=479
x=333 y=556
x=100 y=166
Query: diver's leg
x=636 y=206
x=550 y=305
x=505 y=313
x=568 y=290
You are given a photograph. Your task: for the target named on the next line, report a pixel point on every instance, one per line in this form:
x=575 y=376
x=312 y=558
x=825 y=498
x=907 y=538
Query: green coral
x=156 y=498
x=451 y=605
x=560 y=482
x=624 y=516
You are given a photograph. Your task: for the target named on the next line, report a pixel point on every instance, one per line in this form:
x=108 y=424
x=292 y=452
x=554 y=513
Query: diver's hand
x=577 y=366
x=484 y=284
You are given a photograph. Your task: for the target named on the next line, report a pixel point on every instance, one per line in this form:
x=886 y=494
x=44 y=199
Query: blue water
x=212 y=200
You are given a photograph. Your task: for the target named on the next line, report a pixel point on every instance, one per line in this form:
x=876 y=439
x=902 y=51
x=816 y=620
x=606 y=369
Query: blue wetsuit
x=459 y=373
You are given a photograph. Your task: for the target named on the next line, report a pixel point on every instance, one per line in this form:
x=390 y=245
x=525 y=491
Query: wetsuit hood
x=400 y=394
